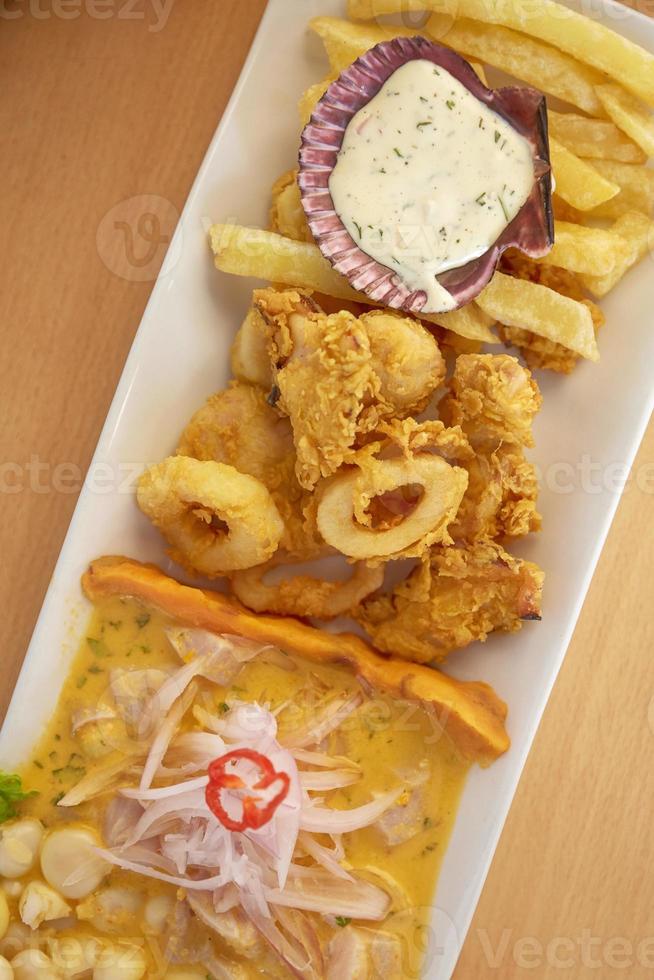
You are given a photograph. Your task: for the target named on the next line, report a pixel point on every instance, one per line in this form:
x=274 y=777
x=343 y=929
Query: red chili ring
x=253 y=815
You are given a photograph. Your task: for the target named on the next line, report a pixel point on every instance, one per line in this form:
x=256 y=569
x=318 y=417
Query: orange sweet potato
x=469 y=711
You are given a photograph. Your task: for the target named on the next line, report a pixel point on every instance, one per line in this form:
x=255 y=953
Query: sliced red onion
x=321 y=892
x=291 y=954
x=324 y=781
x=169 y=808
x=324 y=761
x=328 y=859
x=193 y=751
x=168 y=727
x=322 y=820
x=324 y=721
x=163 y=792
x=300 y=927
x=101 y=780
x=223 y=656
x=532 y=230
x=203 y=884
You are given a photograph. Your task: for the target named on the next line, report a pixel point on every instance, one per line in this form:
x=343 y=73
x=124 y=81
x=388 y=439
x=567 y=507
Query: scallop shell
x=532 y=229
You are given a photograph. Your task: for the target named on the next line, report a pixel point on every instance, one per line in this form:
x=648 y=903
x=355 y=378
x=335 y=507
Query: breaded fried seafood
x=237 y=426
x=494 y=400
x=216 y=519
x=305 y=595
x=337 y=376
x=346 y=516
x=457 y=595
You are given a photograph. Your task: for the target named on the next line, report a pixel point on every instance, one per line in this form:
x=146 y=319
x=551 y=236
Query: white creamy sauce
x=428 y=177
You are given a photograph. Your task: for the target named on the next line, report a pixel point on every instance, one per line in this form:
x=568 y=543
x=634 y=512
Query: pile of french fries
x=600 y=88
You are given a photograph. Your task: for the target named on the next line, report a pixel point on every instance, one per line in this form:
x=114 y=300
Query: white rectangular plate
x=586 y=438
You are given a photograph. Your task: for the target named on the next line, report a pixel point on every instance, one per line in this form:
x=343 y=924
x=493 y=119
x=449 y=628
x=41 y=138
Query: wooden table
x=94 y=111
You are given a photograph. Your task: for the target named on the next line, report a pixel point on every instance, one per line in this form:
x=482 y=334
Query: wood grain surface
x=95 y=110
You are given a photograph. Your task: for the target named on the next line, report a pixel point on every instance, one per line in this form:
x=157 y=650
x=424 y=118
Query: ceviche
x=211 y=803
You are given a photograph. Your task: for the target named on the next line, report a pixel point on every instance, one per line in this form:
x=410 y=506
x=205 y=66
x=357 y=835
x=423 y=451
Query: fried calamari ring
x=304 y=595
x=216 y=519
x=343 y=511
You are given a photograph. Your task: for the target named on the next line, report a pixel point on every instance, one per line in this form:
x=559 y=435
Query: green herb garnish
x=482 y=198
x=343 y=920
x=142 y=620
x=503 y=206
x=450 y=103
x=395 y=150
x=11 y=794
x=98 y=647
x=427 y=122
x=223 y=707
x=81 y=681
x=497 y=136
x=358 y=227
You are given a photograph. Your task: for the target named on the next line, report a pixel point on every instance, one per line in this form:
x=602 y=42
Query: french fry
x=591 y=251
x=585 y=39
x=530 y=306
x=593 y=138
x=630 y=115
x=345 y=42
x=265 y=255
x=636 y=189
x=637 y=231
x=533 y=62
x=310 y=99
x=578 y=182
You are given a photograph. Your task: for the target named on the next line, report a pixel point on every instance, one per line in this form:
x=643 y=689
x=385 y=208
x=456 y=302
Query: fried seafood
x=410 y=522
x=238 y=426
x=494 y=399
x=539 y=352
x=305 y=595
x=457 y=595
x=216 y=519
x=501 y=497
x=338 y=376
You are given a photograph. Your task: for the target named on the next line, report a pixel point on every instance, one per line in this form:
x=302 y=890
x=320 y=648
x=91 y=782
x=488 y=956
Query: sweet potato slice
x=469 y=711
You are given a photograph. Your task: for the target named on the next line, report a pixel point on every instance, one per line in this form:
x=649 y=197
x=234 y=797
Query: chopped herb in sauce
x=98 y=647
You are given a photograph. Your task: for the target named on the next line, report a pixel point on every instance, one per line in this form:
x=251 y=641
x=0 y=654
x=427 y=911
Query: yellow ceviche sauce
x=391 y=742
